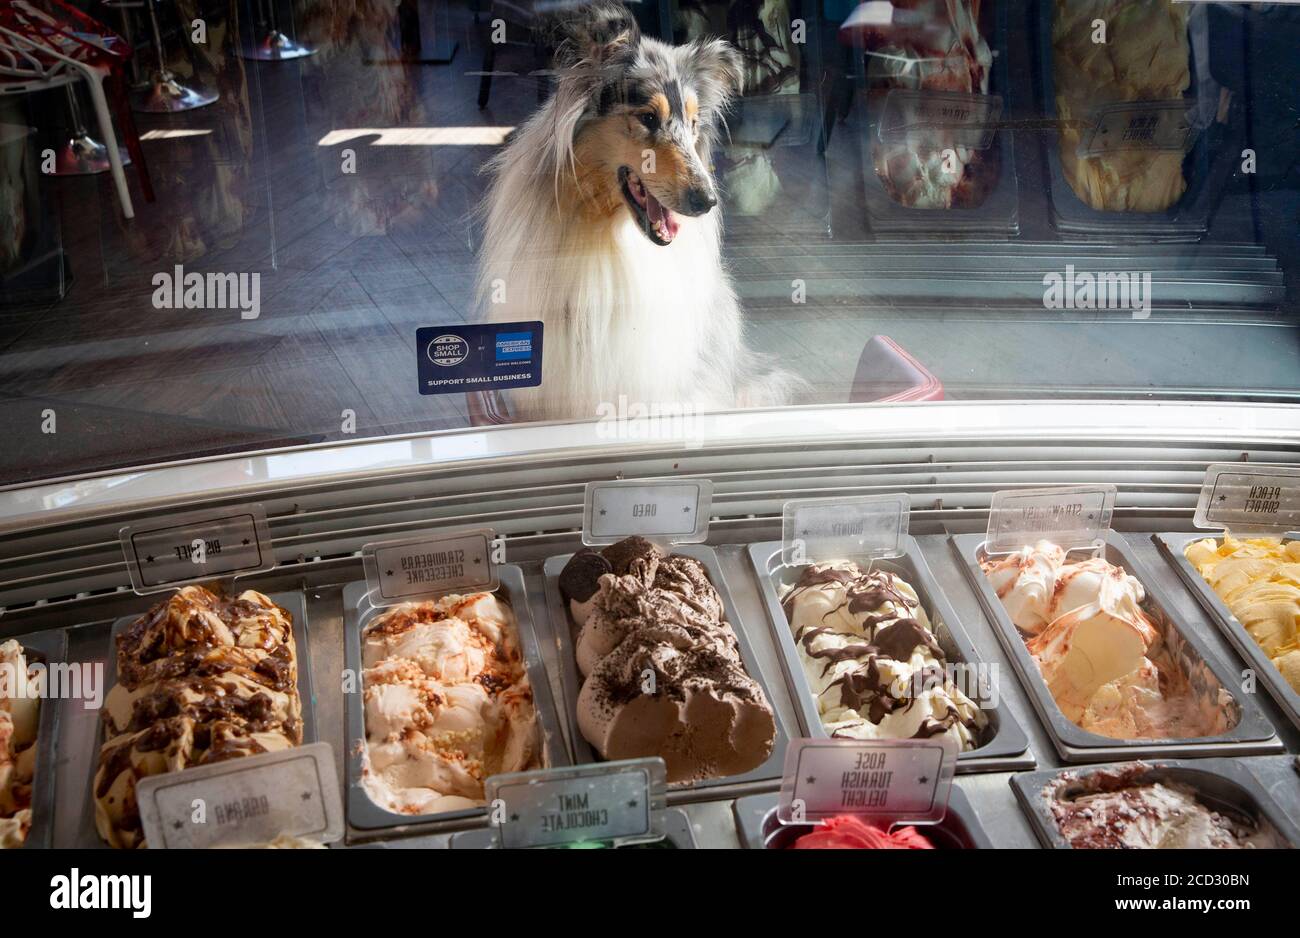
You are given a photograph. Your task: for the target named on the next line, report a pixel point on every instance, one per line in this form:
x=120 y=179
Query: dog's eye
x=650 y=121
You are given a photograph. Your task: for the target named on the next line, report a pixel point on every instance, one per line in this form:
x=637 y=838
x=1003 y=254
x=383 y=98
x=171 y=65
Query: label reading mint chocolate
x=869 y=526
x=613 y=802
x=1073 y=517
x=194 y=546
x=942 y=117
x=244 y=802
x=1246 y=499
x=430 y=565
x=664 y=509
x=896 y=781
x=1139 y=125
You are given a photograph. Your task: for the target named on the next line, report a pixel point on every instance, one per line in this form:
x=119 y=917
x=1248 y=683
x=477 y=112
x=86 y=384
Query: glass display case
x=432 y=389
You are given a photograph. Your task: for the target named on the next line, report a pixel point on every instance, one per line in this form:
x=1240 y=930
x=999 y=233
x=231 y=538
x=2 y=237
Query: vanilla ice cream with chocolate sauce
x=873 y=664
x=1108 y=666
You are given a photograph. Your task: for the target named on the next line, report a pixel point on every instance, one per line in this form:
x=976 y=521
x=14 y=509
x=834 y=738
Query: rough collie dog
x=602 y=222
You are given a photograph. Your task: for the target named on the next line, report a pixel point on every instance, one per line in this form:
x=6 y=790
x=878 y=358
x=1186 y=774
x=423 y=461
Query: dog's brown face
x=643 y=142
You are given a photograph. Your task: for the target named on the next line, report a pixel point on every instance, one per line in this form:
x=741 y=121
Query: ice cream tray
x=296 y=605
x=1005 y=748
x=680 y=792
x=1174 y=546
x=1251 y=735
x=1219 y=782
x=758 y=828
x=362 y=812
x=673 y=822
x=1187 y=218
x=48 y=648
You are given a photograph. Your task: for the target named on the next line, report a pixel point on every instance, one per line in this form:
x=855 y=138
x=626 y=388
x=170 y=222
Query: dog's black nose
x=699 y=201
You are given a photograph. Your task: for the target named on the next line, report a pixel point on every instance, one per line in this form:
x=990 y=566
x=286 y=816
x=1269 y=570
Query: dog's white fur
x=622 y=316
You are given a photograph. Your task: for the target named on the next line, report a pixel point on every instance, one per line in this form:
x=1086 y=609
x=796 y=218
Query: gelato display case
x=416 y=460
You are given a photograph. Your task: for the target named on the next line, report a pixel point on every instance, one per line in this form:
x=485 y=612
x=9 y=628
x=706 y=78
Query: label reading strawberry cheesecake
x=196 y=546
x=431 y=565
x=1248 y=499
x=1076 y=516
x=892 y=781
x=868 y=527
x=610 y=803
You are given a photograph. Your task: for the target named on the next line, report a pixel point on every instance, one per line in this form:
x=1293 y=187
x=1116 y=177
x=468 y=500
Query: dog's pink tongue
x=658 y=213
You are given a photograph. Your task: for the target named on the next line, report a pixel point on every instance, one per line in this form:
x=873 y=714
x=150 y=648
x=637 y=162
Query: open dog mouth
x=659 y=223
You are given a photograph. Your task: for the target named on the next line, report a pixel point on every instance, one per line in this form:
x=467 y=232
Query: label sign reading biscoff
x=869 y=526
x=1247 y=499
x=1139 y=125
x=614 y=802
x=892 y=781
x=194 y=546
x=1071 y=516
x=244 y=802
x=664 y=509
x=429 y=566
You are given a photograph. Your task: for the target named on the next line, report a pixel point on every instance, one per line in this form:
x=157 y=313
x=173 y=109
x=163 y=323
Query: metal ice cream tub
x=1250 y=732
x=1174 y=546
x=1222 y=784
x=362 y=812
x=564 y=627
x=1004 y=745
x=293 y=603
x=759 y=828
x=673 y=822
x=49 y=649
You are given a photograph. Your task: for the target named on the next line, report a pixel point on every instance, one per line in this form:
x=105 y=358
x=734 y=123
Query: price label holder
x=886 y=781
x=1074 y=517
x=430 y=565
x=671 y=510
x=244 y=802
x=194 y=546
x=1139 y=125
x=611 y=802
x=1246 y=499
x=869 y=526
x=955 y=119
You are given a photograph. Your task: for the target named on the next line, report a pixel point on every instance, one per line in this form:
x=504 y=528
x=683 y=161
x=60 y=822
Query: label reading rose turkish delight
x=896 y=781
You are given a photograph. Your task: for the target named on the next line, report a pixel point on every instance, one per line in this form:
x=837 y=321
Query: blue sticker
x=479 y=357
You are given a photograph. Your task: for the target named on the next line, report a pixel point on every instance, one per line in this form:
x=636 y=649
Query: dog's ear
x=596 y=35
x=717 y=70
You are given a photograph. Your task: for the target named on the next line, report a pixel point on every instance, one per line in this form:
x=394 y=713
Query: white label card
x=870 y=526
x=1072 y=517
x=244 y=802
x=1139 y=125
x=194 y=546
x=903 y=781
x=941 y=118
x=429 y=566
x=612 y=802
x=663 y=509
x=1246 y=499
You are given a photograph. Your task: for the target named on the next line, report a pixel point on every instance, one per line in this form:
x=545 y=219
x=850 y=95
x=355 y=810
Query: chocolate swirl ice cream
x=662 y=670
x=872 y=661
x=201 y=678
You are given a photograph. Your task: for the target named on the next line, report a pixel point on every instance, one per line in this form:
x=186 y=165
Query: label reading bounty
x=430 y=565
x=197 y=545
x=1072 y=516
x=893 y=781
x=1247 y=499
x=677 y=512
x=613 y=802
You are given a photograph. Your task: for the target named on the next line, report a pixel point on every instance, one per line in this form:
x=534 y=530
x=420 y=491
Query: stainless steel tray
x=48 y=648
x=362 y=812
x=680 y=792
x=296 y=605
x=1252 y=734
x=758 y=828
x=674 y=823
x=1173 y=545
x=1222 y=782
x=1005 y=747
